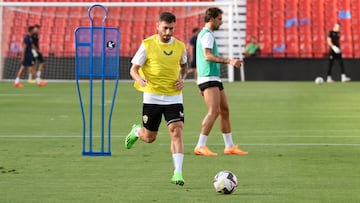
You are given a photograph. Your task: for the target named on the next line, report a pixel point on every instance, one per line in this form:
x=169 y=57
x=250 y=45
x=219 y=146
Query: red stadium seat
x=305 y=49
x=356 y=49
x=292 y=49
x=266 y=50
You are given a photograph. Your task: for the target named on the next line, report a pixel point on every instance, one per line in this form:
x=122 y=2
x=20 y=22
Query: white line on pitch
x=250 y=132
x=42 y=136
x=21 y=95
x=285 y=144
x=301 y=136
x=188 y=144
x=122 y=136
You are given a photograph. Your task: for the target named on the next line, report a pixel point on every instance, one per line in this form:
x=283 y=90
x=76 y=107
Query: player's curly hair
x=212 y=13
x=167 y=17
x=30 y=28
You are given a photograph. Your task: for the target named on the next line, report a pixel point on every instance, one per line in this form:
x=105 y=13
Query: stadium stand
x=298 y=28
x=64 y=20
x=285 y=28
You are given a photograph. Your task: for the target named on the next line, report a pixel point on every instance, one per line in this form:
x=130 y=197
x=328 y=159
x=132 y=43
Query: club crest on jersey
x=145 y=119
x=168 y=53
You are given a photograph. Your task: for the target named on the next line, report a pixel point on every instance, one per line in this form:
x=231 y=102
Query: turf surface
x=303 y=141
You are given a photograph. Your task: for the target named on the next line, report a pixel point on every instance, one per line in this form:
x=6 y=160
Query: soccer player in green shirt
x=208 y=67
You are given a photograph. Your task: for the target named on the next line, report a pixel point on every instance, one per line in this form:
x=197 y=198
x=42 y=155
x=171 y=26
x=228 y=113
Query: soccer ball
x=319 y=80
x=225 y=182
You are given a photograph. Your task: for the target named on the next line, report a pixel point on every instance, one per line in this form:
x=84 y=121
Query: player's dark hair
x=37 y=26
x=167 y=17
x=212 y=13
x=30 y=28
x=195 y=30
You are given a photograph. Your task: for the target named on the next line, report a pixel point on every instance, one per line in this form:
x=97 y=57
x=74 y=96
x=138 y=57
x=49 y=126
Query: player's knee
x=150 y=136
x=151 y=139
x=175 y=129
x=214 y=112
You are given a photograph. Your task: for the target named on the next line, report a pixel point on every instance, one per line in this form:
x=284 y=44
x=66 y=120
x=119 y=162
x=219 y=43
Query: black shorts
x=333 y=55
x=152 y=115
x=28 y=61
x=40 y=58
x=206 y=85
x=193 y=64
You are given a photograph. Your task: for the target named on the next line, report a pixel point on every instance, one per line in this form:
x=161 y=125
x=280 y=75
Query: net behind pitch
x=57 y=33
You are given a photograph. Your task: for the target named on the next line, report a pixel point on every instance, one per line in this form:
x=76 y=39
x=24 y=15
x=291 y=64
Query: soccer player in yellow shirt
x=159 y=69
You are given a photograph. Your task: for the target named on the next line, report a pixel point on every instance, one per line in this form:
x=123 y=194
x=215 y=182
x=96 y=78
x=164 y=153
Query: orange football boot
x=18 y=85
x=42 y=83
x=204 y=151
x=234 y=150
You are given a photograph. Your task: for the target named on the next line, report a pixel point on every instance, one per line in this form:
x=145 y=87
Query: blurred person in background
x=333 y=41
x=27 y=60
x=252 y=48
x=37 y=55
x=192 y=52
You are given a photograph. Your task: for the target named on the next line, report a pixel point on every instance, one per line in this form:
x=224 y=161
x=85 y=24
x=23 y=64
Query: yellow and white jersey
x=160 y=65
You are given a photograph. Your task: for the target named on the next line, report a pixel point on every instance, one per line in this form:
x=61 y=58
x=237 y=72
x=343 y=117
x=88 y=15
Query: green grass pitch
x=303 y=141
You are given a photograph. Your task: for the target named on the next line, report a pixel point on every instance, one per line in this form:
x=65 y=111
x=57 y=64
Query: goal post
x=1 y=43
x=58 y=20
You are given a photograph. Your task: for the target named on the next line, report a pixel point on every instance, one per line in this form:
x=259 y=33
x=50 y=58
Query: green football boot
x=131 y=138
x=178 y=179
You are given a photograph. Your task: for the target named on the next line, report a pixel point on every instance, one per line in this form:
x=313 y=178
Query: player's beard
x=216 y=27
x=165 y=38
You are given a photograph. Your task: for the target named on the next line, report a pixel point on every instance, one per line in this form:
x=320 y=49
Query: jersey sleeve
x=27 y=40
x=330 y=34
x=207 y=41
x=193 y=41
x=140 y=56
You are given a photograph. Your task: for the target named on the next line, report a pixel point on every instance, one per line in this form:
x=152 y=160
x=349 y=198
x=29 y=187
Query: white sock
x=136 y=132
x=178 y=161
x=202 y=140
x=329 y=78
x=38 y=80
x=30 y=76
x=343 y=76
x=228 y=140
x=38 y=73
x=17 y=80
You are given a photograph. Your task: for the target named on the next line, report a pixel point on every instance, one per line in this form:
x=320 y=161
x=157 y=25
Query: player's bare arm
x=22 y=58
x=134 y=72
x=191 y=55
x=179 y=84
x=209 y=56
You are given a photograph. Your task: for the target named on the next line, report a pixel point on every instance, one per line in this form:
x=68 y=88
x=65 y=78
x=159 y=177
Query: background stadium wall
x=295 y=69
x=59 y=20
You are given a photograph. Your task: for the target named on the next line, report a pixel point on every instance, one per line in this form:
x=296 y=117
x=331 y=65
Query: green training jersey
x=206 y=68
x=251 y=48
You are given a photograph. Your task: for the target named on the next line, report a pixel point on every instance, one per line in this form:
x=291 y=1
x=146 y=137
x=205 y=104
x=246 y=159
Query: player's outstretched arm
x=209 y=56
x=134 y=72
